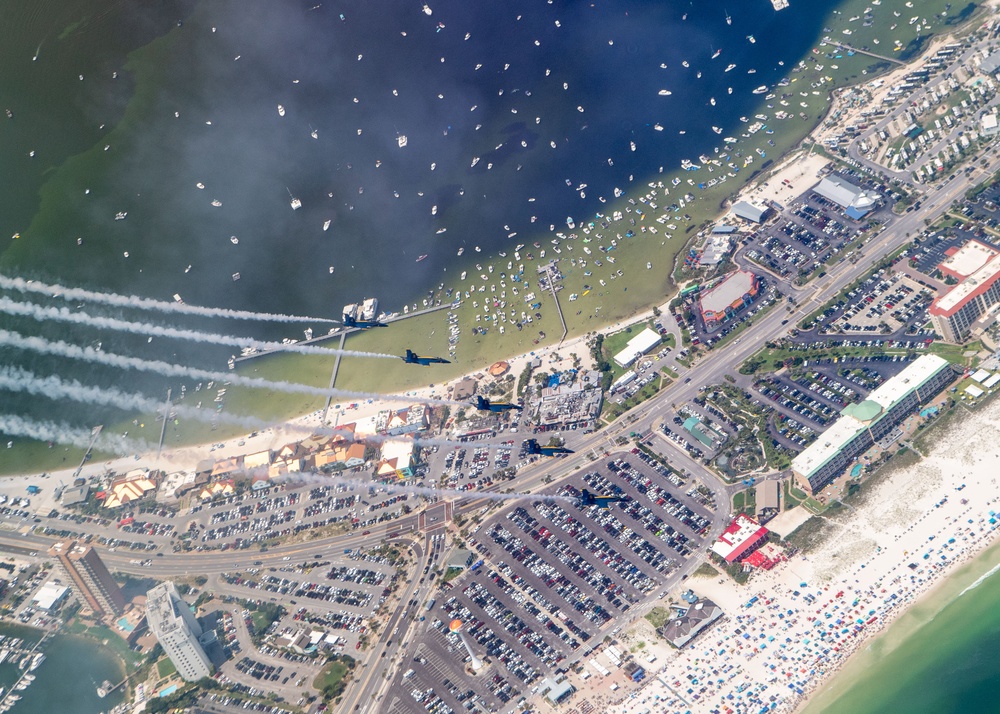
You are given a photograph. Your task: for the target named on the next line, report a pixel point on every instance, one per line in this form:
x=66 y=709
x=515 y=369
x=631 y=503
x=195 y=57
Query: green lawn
x=333 y=677
x=165 y=668
x=705 y=570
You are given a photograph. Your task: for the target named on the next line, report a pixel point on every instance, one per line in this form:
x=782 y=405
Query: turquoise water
x=949 y=665
x=167 y=691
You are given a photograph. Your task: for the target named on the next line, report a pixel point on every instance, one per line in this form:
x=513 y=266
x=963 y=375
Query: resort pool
x=167 y=691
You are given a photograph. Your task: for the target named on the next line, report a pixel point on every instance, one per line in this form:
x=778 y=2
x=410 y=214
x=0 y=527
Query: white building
x=177 y=630
x=637 y=346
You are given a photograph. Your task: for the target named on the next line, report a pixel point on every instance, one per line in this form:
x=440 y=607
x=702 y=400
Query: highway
x=372 y=678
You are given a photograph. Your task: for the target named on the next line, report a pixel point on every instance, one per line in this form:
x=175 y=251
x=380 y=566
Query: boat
x=730 y=67
x=729 y=20
x=665 y=92
x=649 y=266
x=717 y=130
x=281 y=111
x=475 y=160
x=752 y=39
x=216 y=202
x=685 y=63
x=401 y=140
x=200 y=185
x=234 y=240
x=427 y=10
x=423 y=257
x=712 y=101
x=326 y=225
x=464 y=273
x=314 y=134
x=461 y=250
x=717 y=53
x=761 y=89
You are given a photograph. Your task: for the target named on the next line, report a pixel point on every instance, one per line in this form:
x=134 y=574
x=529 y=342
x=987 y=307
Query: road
x=709 y=370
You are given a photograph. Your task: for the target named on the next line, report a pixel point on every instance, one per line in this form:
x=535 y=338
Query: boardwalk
x=871 y=54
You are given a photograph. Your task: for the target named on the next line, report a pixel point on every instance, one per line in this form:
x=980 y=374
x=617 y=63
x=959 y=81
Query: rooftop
x=974 y=285
x=730 y=290
x=748 y=211
x=968 y=259
x=857 y=417
x=844 y=193
x=738 y=537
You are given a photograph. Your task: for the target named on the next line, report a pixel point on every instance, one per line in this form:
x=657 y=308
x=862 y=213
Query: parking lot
x=809 y=231
x=551 y=582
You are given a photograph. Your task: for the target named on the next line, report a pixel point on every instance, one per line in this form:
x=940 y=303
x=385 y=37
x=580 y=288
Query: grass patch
x=791 y=499
x=450 y=574
x=333 y=678
x=658 y=617
x=670 y=373
x=809 y=535
x=705 y=570
x=165 y=668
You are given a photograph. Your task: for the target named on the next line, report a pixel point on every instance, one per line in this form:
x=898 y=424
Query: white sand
x=801 y=170
x=790 y=643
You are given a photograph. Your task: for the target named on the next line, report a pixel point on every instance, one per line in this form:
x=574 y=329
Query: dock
x=5 y=700
x=341 y=333
x=884 y=58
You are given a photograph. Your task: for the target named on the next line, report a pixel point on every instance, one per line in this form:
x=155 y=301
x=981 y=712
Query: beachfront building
x=178 y=631
x=131 y=487
x=637 y=347
x=749 y=212
x=690 y=622
x=855 y=201
x=90 y=577
x=955 y=313
x=862 y=425
x=725 y=300
x=397 y=458
x=740 y=539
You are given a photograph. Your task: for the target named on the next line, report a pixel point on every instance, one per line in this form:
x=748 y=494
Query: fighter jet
x=534 y=448
x=592 y=499
x=349 y=321
x=412 y=358
x=485 y=405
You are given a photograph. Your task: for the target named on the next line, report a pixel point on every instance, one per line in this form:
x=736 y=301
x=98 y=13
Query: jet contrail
x=15 y=379
x=62 y=314
x=132 y=301
x=89 y=354
x=313 y=477
x=14 y=425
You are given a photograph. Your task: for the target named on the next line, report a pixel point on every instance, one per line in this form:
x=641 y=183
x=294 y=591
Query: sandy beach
x=788 y=631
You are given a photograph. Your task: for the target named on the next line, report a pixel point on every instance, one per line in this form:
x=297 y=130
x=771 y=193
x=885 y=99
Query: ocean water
x=945 y=663
x=388 y=69
x=179 y=94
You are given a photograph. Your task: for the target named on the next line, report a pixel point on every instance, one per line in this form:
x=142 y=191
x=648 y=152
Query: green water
x=67 y=680
x=939 y=658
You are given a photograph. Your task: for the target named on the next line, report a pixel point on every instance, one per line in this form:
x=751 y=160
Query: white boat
x=401 y=140
x=216 y=202
x=761 y=89
x=712 y=101
x=314 y=134
x=685 y=63
x=730 y=67
x=281 y=111
x=427 y=10
x=234 y=240
x=326 y=225
x=751 y=38
x=729 y=20
x=717 y=130
x=475 y=160
x=649 y=266
x=717 y=53
x=665 y=92
x=200 y=185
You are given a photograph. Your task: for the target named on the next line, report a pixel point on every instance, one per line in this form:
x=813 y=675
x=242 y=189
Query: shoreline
x=919 y=540
x=708 y=207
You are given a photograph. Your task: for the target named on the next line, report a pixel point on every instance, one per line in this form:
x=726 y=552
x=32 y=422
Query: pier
x=893 y=60
x=6 y=701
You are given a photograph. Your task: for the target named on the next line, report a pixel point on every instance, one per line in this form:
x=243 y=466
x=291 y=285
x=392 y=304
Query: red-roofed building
x=765 y=557
x=740 y=539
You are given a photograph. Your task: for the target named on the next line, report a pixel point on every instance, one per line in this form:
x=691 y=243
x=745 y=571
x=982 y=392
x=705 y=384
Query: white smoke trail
x=307 y=477
x=15 y=379
x=62 y=314
x=89 y=354
x=132 y=301
x=14 y=425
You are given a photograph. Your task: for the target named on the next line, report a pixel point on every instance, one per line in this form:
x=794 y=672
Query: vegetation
x=809 y=535
x=165 y=668
x=658 y=616
x=333 y=678
x=705 y=570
